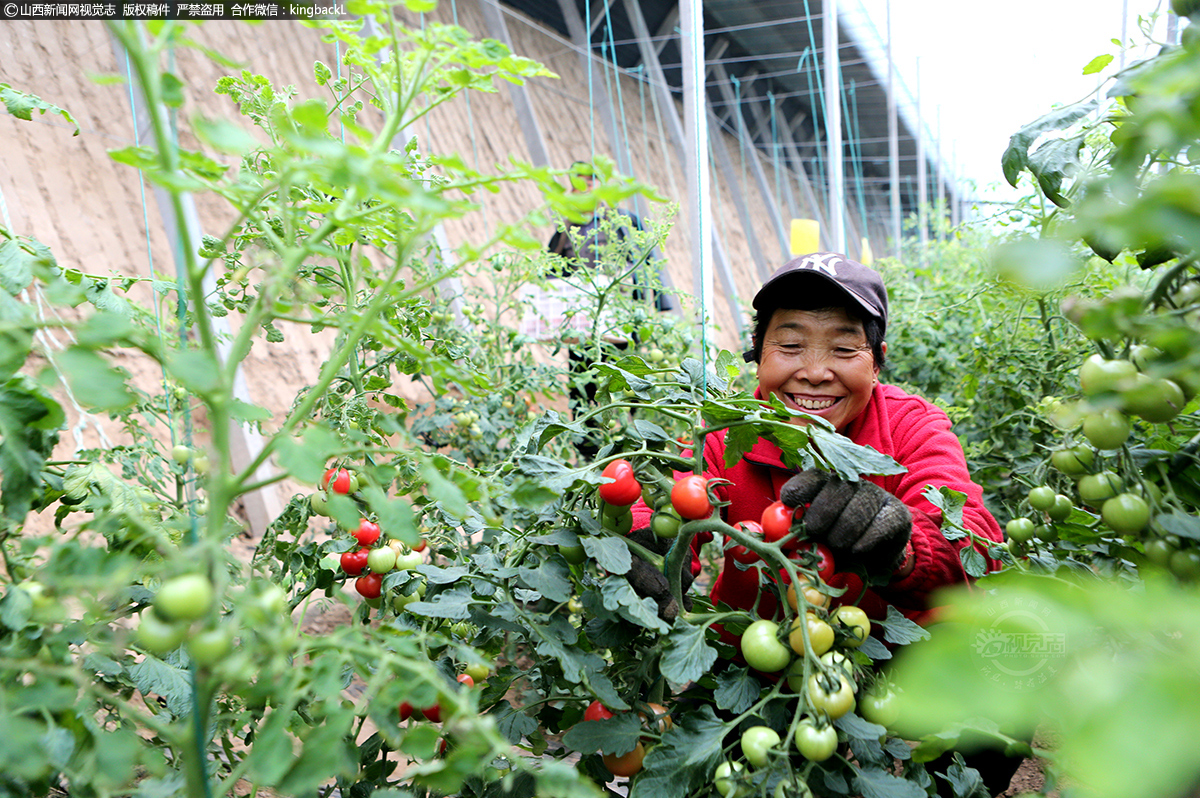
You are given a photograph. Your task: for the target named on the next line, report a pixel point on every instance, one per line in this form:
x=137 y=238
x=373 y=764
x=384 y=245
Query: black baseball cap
x=862 y=285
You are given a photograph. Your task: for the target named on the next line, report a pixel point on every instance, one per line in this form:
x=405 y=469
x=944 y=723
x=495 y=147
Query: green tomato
x=408 y=560
x=1095 y=488
x=185 y=598
x=1106 y=429
x=1126 y=513
x=1185 y=564
x=1097 y=375
x=319 y=503
x=853 y=622
x=477 y=671
x=382 y=559
x=762 y=648
x=757 y=742
x=834 y=697
x=813 y=743
x=181 y=454
x=1074 y=461
x=797 y=789
x=572 y=554
x=1155 y=400
x=1159 y=551
x=159 y=636
x=666 y=523
x=880 y=706
x=1020 y=530
x=726 y=780
x=209 y=646
x=1041 y=498
x=1061 y=509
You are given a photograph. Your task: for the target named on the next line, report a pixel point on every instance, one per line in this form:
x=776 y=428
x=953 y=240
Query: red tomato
x=420 y=545
x=433 y=713
x=624 y=489
x=465 y=678
x=406 y=710
x=369 y=586
x=740 y=552
x=367 y=532
x=353 y=562
x=337 y=480
x=597 y=711
x=823 y=559
x=777 y=523
x=689 y=497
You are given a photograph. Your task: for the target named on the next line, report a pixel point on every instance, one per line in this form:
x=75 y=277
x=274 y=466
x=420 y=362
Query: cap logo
x=825 y=262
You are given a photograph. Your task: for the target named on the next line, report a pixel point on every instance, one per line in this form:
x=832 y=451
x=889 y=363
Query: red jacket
x=913 y=432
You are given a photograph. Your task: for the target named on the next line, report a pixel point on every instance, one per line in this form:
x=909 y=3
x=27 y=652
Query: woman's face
x=818 y=362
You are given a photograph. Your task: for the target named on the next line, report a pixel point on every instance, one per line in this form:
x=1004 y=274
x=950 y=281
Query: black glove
x=649 y=582
x=858 y=520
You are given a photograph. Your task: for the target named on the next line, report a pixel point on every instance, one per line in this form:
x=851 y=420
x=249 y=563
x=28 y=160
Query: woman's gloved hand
x=649 y=582
x=859 y=521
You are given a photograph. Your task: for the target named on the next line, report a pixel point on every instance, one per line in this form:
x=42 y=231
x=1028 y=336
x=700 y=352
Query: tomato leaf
x=1016 y=156
x=452 y=604
x=972 y=561
x=610 y=553
x=874 y=649
x=1097 y=64
x=847 y=458
x=861 y=728
x=649 y=431
x=620 y=597
x=683 y=762
x=616 y=735
x=552 y=579
x=881 y=784
x=899 y=629
x=736 y=690
x=738 y=441
x=687 y=656
x=1180 y=523
x=94 y=381
x=152 y=675
x=951 y=503
x=512 y=723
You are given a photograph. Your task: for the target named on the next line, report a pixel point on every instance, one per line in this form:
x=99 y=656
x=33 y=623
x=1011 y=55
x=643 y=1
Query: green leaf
x=224 y=136
x=552 y=580
x=620 y=597
x=16 y=271
x=1180 y=523
x=738 y=441
x=196 y=370
x=951 y=503
x=15 y=609
x=684 y=761
x=616 y=735
x=94 y=382
x=736 y=690
x=1054 y=161
x=610 y=553
x=513 y=724
x=244 y=411
x=847 y=458
x=154 y=677
x=649 y=431
x=1097 y=64
x=881 y=784
x=305 y=458
x=973 y=562
x=321 y=73
x=1016 y=156
x=861 y=728
x=22 y=105
x=687 y=656
x=172 y=90
x=453 y=604
x=898 y=629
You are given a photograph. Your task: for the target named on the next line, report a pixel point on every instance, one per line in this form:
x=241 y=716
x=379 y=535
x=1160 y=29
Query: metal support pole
x=833 y=128
x=893 y=142
x=696 y=126
x=497 y=28
x=922 y=178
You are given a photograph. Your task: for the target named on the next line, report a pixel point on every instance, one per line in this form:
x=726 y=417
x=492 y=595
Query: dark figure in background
x=581 y=246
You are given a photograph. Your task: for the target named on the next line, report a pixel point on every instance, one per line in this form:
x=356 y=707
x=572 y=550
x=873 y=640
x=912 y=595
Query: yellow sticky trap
x=806 y=236
x=867 y=256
